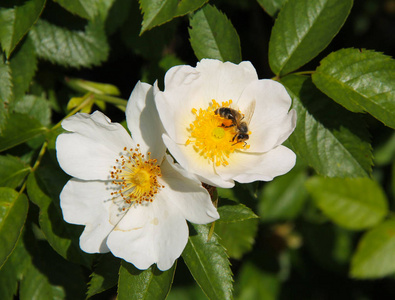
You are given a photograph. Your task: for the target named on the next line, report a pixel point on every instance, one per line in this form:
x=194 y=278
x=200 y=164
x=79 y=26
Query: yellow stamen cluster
x=211 y=135
x=135 y=177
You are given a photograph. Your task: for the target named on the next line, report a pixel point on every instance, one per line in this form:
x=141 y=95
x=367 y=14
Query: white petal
x=248 y=167
x=272 y=122
x=160 y=240
x=143 y=120
x=88 y=203
x=90 y=148
x=186 y=193
x=194 y=163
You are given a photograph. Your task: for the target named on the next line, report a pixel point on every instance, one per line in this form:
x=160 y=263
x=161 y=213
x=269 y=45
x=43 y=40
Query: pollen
x=135 y=177
x=213 y=136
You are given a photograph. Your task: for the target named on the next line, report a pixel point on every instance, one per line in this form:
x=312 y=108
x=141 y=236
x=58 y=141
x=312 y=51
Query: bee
x=240 y=121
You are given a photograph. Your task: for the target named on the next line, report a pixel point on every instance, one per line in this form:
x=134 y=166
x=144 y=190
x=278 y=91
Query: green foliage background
x=325 y=230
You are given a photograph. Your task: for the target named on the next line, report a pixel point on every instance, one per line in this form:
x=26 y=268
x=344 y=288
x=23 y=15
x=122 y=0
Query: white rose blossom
x=132 y=198
x=215 y=146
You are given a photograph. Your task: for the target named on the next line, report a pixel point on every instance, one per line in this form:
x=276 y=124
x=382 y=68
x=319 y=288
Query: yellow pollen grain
x=210 y=138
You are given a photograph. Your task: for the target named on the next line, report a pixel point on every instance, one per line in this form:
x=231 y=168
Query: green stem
x=305 y=73
x=36 y=164
x=111 y=99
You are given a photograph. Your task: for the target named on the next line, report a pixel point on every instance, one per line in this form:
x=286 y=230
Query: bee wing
x=249 y=112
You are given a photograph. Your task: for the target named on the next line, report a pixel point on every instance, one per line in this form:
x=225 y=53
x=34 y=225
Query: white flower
x=207 y=142
x=132 y=198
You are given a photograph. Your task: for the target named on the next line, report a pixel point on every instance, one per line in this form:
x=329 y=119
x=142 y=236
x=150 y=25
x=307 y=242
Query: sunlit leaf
x=12 y=171
x=13 y=212
x=212 y=35
x=70 y=48
x=135 y=284
x=88 y=9
x=208 y=263
x=23 y=66
x=105 y=274
x=375 y=254
x=235 y=213
x=361 y=81
x=329 y=138
x=16 y=22
x=354 y=203
x=237 y=237
x=19 y=128
x=302 y=30
x=157 y=12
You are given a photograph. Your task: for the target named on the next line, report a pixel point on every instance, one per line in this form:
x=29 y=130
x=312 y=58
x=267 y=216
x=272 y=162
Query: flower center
x=215 y=135
x=135 y=177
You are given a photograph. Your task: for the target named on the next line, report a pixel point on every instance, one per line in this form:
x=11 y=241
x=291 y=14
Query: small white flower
x=215 y=146
x=132 y=198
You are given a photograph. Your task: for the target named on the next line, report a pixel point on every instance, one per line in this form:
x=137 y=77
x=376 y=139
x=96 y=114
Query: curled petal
x=248 y=167
x=143 y=120
x=186 y=193
x=89 y=149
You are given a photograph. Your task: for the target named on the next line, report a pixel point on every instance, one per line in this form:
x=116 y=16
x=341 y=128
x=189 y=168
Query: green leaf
x=5 y=92
x=51 y=277
x=12 y=171
x=302 y=30
x=16 y=22
x=13 y=270
x=157 y=12
x=329 y=138
x=235 y=213
x=254 y=283
x=70 y=48
x=237 y=237
x=212 y=35
x=354 y=203
x=118 y=14
x=105 y=274
x=88 y=9
x=13 y=212
x=360 y=80
x=36 y=107
x=375 y=254
x=23 y=66
x=152 y=283
x=19 y=128
x=283 y=198
x=63 y=237
x=208 y=263
x=272 y=7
